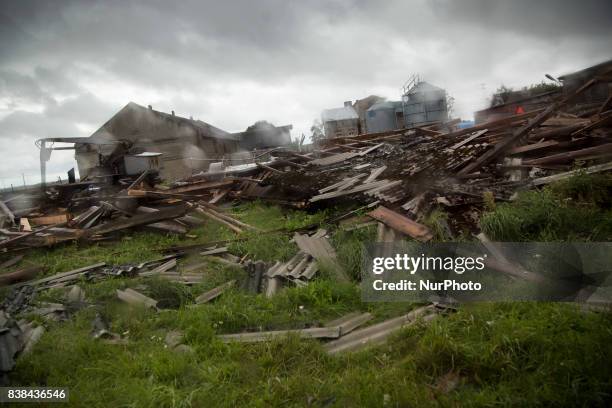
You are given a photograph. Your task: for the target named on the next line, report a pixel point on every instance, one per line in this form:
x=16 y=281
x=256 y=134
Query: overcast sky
x=68 y=66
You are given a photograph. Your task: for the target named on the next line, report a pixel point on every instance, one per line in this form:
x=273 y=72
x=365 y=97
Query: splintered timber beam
x=63 y=275
x=231 y=220
x=562 y=176
x=560 y=157
x=469 y=139
x=357 y=189
x=20 y=275
x=508 y=142
x=136 y=220
x=218 y=219
x=400 y=223
x=28 y=234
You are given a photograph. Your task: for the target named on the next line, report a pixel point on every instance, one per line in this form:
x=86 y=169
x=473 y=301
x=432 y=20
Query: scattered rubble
x=393 y=179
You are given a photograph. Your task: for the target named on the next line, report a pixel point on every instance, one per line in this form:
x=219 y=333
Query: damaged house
x=139 y=138
x=340 y=122
x=182 y=145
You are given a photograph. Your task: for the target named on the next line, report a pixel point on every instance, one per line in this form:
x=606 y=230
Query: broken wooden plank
x=374 y=174
x=218 y=196
x=220 y=220
x=169 y=226
x=20 y=275
x=49 y=220
x=13 y=261
x=357 y=189
x=562 y=176
x=381 y=188
x=339 y=184
x=62 y=275
x=214 y=293
x=533 y=147
x=27 y=234
x=206 y=185
x=336 y=158
x=166 y=266
x=469 y=139
x=136 y=221
x=232 y=220
x=313 y=333
x=138 y=180
x=401 y=223
x=370 y=149
x=24 y=225
x=214 y=251
x=560 y=157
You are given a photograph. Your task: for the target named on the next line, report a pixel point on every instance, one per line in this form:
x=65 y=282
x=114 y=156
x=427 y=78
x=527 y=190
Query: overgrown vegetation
x=578 y=209
x=494 y=354
x=505 y=94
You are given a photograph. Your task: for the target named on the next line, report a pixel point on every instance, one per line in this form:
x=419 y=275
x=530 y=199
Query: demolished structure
x=138 y=138
x=392 y=179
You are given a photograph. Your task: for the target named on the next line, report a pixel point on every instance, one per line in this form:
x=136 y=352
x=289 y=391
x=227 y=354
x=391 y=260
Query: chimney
x=347 y=104
x=172 y=113
x=150 y=107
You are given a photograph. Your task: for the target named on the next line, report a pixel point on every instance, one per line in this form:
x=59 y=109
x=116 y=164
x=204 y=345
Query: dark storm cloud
x=65 y=67
x=550 y=19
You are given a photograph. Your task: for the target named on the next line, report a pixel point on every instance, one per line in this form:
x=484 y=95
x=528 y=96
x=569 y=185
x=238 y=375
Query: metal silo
x=424 y=103
x=382 y=116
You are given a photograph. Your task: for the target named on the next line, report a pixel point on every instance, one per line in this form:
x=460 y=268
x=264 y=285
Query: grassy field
x=519 y=354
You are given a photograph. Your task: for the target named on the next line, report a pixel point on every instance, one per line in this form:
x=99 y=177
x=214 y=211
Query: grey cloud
x=552 y=19
x=229 y=62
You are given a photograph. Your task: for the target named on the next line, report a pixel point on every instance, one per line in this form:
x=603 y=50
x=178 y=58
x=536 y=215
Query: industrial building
x=361 y=106
x=340 y=122
x=138 y=138
x=184 y=144
x=423 y=103
x=384 y=116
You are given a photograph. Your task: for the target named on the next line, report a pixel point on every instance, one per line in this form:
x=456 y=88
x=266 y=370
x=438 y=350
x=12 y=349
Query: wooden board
x=402 y=224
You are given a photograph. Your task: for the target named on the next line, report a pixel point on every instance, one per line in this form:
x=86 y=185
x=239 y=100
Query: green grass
x=578 y=209
x=519 y=354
